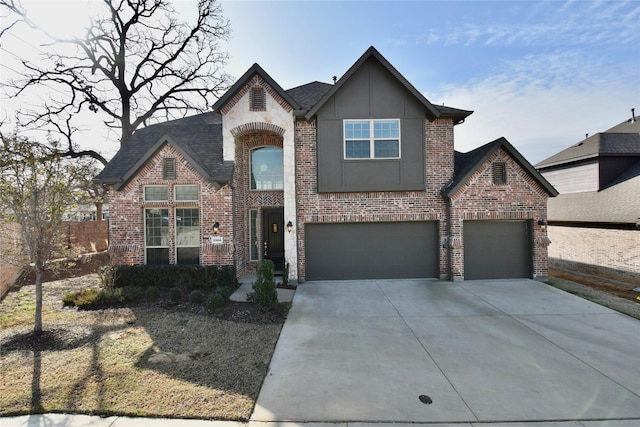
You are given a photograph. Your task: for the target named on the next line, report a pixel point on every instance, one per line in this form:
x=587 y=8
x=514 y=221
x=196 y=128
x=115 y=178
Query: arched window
x=266 y=169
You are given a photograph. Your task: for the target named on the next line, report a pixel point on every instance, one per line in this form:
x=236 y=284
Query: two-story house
x=356 y=179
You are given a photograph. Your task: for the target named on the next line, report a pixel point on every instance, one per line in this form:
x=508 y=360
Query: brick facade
x=521 y=198
x=607 y=252
x=127 y=205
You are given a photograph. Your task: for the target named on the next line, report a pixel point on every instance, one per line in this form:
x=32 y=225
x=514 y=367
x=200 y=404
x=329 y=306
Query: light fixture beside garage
x=289 y=226
x=543 y=224
x=216 y=227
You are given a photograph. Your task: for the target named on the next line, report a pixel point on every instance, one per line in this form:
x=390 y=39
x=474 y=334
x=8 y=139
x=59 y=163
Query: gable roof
x=309 y=94
x=466 y=164
x=616 y=204
x=198 y=138
x=433 y=112
x=621 y=140
x=246 y=77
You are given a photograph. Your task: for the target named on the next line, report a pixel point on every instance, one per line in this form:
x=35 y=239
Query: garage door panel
x=497 y=249
x=371 y=250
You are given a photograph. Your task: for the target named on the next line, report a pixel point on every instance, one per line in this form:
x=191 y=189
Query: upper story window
x=169 y=168
x=258 y=99
x=186 y=193
x=499 y=173
x=372 y=139
x=156 y=193
x=267 y=172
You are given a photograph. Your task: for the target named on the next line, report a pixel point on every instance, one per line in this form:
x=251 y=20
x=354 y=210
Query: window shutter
x=169 y=168
x=499 y=173
x=258 y=99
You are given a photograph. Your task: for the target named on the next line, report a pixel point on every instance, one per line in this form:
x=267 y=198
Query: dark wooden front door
x=273 y=236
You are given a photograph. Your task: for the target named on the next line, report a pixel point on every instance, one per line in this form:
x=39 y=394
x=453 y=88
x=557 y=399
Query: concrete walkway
x=419 y=351
x=425 y=353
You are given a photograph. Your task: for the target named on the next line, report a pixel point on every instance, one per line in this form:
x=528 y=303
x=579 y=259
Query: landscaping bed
x=159 y=359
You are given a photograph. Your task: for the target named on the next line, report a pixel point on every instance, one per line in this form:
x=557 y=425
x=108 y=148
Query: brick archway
x=256 y=127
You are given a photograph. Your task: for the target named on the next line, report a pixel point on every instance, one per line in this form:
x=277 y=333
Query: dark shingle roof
x=622 y=139
x=198 y=137
x=466 y=164
x=619 y=203
x=309 y=94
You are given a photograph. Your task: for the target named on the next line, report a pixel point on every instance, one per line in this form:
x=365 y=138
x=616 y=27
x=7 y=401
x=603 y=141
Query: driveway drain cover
x=425 y=399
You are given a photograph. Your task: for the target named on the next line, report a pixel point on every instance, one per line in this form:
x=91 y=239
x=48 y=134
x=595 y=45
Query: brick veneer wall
x=246 y=199
x=428 y=205
x=608 y=252
x=521 y=198
x=126 y=224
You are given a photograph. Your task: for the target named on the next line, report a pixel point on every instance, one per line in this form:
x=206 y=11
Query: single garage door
x=348 y=251
x=497 y=249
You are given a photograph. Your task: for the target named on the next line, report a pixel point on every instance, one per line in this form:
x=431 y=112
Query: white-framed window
x=372 y=139
x=186 y=193
x=156 y=193
x=253 y=235
x=188 y=236
x=156 y=236
x=267 y=170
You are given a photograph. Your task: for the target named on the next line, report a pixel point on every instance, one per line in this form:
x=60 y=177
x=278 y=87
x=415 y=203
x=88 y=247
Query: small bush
x=152 y=293
x=264 y=294
x=132 y=293
x=225 y=292
x=175 y=294
x=196 y=297
x=216 y=300
x=108 y=276
x=69 y=300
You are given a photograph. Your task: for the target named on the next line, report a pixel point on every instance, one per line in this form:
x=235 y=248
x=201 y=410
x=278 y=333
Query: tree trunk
x=37 y=329
x=98 y=211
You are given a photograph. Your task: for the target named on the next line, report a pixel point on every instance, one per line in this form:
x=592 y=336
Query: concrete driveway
x=433 y=351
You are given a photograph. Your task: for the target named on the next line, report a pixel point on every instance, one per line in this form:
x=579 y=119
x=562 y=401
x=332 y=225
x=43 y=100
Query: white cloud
x=543 y=103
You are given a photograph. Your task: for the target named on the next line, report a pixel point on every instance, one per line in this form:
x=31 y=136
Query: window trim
x=372 y=139
x=144 y=193
x=175 y=192
x=253 y=230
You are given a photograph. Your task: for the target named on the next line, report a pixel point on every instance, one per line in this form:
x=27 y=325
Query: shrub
x=216 y=300
x=108 y=275
x=69 y=300
x=87 y=299
x=152 y=293
x=132 y=293
x=225 y=292
x=196 y=297
x=264 y=294
x=175 y=294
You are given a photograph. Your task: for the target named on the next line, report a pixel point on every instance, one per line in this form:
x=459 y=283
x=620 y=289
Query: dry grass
x=138 y=361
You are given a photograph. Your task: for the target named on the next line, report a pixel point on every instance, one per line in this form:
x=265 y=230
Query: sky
x=542 y=74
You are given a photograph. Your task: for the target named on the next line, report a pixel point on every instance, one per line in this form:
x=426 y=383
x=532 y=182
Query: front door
x=273 y=236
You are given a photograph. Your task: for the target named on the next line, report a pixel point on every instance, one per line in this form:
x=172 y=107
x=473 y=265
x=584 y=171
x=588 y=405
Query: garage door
x=350 y=251
x=497 y=249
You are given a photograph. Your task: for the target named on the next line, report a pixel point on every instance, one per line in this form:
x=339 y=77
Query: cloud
x=543 y=103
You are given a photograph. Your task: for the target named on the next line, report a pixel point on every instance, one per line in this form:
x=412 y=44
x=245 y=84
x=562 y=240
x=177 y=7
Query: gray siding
x=371 y=93
x=575 y=179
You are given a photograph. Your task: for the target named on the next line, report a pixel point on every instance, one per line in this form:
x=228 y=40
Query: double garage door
x=349 y=251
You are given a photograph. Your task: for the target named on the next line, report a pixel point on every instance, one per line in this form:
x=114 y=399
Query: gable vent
x=169 y=168
x=258 y=99
x=499 y=173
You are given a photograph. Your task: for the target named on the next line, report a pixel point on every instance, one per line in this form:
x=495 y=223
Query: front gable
x=372 y=93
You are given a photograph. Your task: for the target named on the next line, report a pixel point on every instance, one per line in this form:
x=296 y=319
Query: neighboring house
x=356 y=179
x=595 y=221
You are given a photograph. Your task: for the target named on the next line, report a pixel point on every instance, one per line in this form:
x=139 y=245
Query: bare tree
x=36 y=187
x=135 y=63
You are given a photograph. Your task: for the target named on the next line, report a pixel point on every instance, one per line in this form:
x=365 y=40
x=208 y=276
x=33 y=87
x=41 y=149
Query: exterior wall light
x=216 y=227
x=289 y=226
x=543 y=224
